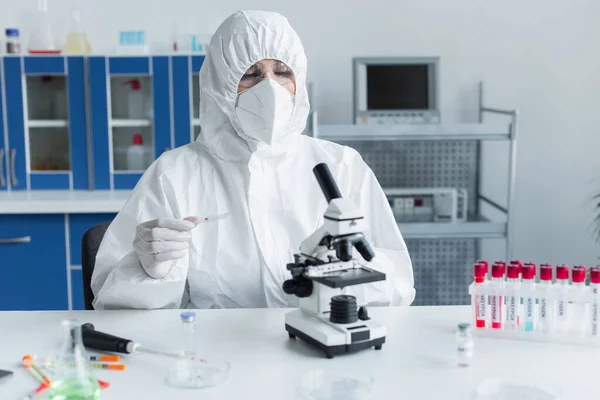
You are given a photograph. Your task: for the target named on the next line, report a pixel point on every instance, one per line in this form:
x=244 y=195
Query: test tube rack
x=581 y=307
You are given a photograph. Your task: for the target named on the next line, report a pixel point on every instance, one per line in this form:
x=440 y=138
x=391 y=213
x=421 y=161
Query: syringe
x=103 y=341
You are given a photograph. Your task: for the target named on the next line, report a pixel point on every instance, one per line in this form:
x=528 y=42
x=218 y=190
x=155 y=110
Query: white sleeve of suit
x=119 y=281
x=391 y=254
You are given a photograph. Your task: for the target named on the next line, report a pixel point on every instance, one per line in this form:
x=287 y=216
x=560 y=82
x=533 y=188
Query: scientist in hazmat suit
x=252 y=162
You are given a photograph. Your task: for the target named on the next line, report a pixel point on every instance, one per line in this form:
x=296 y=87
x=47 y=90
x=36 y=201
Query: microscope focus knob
x=289 y=287
x=298 y=286
x=363 y=314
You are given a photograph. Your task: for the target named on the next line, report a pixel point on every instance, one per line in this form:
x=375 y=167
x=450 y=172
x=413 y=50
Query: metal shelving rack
x=477 y=226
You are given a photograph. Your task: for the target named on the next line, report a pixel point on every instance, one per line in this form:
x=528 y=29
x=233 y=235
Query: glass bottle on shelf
x=42 y=38
x=77 y=41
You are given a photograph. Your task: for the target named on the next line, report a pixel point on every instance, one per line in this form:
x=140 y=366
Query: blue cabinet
x=184 y=72
x=33 y=262
x=45 y=101
x=3 y=148
x=129 y=97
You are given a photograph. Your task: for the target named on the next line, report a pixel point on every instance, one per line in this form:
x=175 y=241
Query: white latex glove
x=160 y=243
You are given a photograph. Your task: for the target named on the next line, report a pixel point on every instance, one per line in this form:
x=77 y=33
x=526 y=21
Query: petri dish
x=498 y=389
x=197 y=374
x=322 y=384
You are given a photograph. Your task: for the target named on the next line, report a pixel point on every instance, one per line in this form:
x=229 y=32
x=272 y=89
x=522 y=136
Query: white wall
x=541 y=57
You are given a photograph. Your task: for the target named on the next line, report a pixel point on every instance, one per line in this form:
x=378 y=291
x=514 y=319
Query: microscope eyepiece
x=328 y=186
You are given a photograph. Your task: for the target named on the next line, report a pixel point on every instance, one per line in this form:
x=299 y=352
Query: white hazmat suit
x=269 y=190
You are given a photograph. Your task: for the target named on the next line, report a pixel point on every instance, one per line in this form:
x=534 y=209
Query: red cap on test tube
x=595 y=274
x=479 y=270
x=498 y=270
x=528 y=271
x=485 y=263
x=578 y=273
x=546 y=272
x=513 y=271
x=562 y=272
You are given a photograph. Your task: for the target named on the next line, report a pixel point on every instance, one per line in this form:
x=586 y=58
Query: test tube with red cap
x=496 y=299
x=595 y=304
x=546 y=300
x=562 y=287
x=479 y=301
x=527 y=290
x=578 y=290
x=485 y=264
x=513 y=300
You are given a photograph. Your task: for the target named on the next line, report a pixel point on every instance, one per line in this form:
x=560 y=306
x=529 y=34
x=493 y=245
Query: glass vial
x=464 y=345
x=188 y=333
x=13 y=44
x=73 y=377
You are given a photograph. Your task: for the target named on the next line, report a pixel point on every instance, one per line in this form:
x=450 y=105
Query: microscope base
x=325 y=337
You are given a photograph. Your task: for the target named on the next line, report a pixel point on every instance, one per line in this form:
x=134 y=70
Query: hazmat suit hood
x=243 y=39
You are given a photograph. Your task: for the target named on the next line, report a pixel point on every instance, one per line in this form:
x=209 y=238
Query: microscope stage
x=334 y=339
x=350 y=277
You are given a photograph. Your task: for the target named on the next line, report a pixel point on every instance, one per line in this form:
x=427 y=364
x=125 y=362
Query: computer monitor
x=396 y=90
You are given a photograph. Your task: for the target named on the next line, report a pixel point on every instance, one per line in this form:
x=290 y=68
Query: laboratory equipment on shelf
x=77 y=41
x=428 y=204
x=42 y=40
x=13 y=44
x=137 y=154
x=396 y=90
x=133 y=42
x=327 y=318
x=139 y=104
x=556 y=312
x=73 y=377
x=464 y=345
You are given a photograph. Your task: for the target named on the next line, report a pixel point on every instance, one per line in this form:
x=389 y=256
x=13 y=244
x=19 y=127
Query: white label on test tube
x=562 y=286
x=546 y=302
x=595 y=305
x=528 y=285
x=578 y=287
x=512 y=300
x=497 y=299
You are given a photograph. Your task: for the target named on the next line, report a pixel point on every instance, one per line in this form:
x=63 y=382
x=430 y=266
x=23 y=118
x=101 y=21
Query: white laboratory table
x=417 y=361
x=63 y=201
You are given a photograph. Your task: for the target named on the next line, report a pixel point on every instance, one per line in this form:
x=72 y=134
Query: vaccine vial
x=496 y=299
x=595 y=304
x=513 y=300
x=479 y=299
x=578 y=287
x=464 y=345
x=546 y=303
x=527 y=289
x=188 y=333
x=562 y=304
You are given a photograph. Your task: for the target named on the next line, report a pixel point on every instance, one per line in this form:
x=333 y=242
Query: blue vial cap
x=188 y=316
x=12 y=32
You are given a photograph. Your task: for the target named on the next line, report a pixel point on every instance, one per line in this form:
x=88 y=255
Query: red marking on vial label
x=496 y=311
x=480 y=311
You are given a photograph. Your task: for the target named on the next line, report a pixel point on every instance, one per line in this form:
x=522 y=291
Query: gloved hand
x=160 y=243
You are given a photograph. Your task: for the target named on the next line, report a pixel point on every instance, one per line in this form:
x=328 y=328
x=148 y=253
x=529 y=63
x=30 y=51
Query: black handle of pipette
x=328 y=186
x=103 y=341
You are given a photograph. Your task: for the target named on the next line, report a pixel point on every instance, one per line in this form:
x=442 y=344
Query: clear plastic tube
x=562 y=306
x=546 y=302
x=513 y=301
x=579 y=309
x=528 y=286
x=595 y=304
x=479 y=271
x=496 y=299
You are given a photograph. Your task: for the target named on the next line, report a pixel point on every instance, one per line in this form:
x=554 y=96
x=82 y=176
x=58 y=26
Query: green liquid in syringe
x=74 y=389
